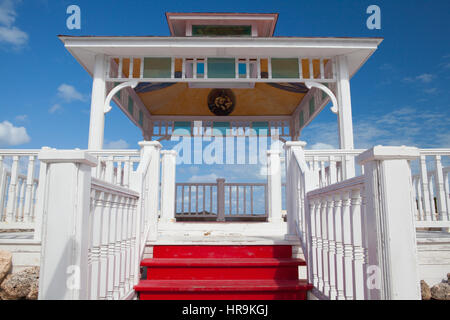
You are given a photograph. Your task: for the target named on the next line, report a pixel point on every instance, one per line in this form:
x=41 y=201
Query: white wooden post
x=97 y=120
x=151 y=188
x=297 y=185
x=345 y=123
x=40 y=193
x=169 y=158
x=390 y=223
x=274 y=185
x=65 y=234
x=221 y=199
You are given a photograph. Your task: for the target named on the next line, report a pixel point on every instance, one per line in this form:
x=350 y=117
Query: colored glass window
x=212 y=30
x=157 y=67
x=130 y=105
x=311 y=106
x=221 y=68
x=285 y=68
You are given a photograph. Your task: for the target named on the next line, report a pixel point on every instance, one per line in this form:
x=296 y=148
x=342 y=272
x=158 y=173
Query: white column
x=65 y=232
x=97 y=121
x=169 y=158
x=345 y=123
x=274 y=185
x=390 y=223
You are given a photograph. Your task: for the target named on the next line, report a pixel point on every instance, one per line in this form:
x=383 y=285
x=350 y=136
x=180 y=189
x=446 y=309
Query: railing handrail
x=113 y=188
x=349 y=184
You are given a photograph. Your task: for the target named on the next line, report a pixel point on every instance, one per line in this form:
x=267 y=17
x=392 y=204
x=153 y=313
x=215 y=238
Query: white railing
x=332 y=166
x=220 y=201
x=116 y=166
x=431 y=188
x=358 y=235
x=337 y=240
x=112 y=252
x=242 y=69
x=18 y=185
x=107 y=225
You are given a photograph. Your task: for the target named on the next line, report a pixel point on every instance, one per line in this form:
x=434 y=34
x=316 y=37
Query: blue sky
x=400 y=97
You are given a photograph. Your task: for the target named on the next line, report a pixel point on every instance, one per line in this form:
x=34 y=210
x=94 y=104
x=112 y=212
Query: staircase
x=222 y=272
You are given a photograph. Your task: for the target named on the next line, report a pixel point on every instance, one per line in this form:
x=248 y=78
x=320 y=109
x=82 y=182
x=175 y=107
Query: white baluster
x=21 y=195
x=117 y=252
x=425 y=192
x=319 y=238
x=111 y=247
x=324 y=232
x=431 y=182
x=104 y=240
x=358 y=253
x=12 y=193
x=333 y=172
x=348 y=248
x=440 y=190
x=29 y=191
x=339 y=247
x=96 y=217
x=331 y=248
x=312 y=210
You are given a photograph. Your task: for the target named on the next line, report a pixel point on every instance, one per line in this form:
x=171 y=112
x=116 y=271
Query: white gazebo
x=352 y=216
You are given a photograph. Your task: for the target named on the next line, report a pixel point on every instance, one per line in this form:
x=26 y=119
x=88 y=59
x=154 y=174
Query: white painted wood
x=11 y=206
x=63 y=248
x=168 y=185
x=390 y=210
x=345 y=123
x=274 y=184
x=97 y=118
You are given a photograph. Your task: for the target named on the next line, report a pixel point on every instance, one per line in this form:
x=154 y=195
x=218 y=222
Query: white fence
x=338 y=243
x=105 y=225
x=431 y=189
x=18 y=185
x=358 y=235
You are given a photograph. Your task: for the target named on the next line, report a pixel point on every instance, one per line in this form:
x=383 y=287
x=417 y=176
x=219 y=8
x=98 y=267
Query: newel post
x=151 y=186
x=274 y=185
x=392 y=272
x=297 y=185
x=169 y=158
x=65 y=206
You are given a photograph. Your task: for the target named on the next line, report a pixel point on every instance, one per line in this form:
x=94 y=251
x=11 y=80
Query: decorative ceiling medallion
x=221 y=102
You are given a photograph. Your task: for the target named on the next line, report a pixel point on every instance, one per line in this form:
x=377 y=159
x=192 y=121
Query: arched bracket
x=311 y=84
x=107 y=107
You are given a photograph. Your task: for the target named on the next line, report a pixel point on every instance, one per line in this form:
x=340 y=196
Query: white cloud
x=425 y=78
x=322 y=146
x=9 y=33
x=212 y=177
x=54 y=108
x=430 y=90
x=118 y=144
x=68 y=93
x=11 y=135
x=425 y=128
x=22 y=117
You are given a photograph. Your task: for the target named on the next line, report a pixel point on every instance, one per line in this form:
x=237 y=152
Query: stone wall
x=18 y=285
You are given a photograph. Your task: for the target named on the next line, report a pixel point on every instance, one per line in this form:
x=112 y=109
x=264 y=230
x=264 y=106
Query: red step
x=257 y=268
x=222 y=272
x=277 y=251
x=223 y=289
